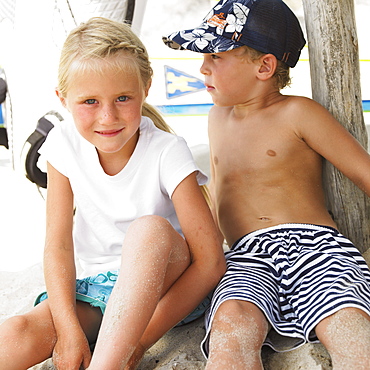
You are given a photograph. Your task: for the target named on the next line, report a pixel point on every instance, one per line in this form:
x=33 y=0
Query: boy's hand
x=72 y=352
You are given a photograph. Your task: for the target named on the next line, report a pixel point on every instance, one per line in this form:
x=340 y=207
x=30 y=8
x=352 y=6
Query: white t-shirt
x=106 y=205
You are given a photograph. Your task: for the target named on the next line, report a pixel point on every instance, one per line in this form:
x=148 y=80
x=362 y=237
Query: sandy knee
x=149 y=224
x=154 y=233
x=346 y=335
x=15 y=326
x=240 y=321
x=21 y=331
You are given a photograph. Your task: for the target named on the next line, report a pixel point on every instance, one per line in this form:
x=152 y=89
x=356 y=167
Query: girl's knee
x=149 y=223
x=152 y=231
x=15 y=326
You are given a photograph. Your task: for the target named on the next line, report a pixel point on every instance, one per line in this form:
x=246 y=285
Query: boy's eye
x=214 y=56
x=122 y=98
x=90 y=101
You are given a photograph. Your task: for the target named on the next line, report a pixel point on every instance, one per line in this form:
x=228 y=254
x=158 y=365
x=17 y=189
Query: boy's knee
x=347 y=328
x=234 y=314
x=238 y=330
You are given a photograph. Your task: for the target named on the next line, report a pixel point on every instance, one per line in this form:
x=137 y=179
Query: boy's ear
x=267 y=66
x=61 y=98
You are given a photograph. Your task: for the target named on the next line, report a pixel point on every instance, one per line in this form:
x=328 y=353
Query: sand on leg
x=346 y=336
x=26 y=340
x=237 y=334
x=154 y=256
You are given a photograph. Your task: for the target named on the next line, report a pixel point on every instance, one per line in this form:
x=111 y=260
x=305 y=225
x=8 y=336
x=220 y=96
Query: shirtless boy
x=292 y=278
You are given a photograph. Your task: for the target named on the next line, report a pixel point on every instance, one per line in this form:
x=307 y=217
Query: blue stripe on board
x=1 y=116
x=203 y=109
x=185 y=109
x=366 y=105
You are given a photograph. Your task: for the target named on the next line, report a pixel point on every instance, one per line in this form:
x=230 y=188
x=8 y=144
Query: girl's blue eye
x=122 y=98
x=90 y=101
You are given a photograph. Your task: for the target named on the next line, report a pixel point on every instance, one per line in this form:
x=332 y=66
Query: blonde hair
x=98 y=39
x=282 y=73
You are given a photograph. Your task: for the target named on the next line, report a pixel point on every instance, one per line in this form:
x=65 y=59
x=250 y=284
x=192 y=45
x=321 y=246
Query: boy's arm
x=71 y=349
x=324 y=134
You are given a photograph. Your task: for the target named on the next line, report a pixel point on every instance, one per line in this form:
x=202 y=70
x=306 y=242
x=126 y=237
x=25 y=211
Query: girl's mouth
x=109 y=133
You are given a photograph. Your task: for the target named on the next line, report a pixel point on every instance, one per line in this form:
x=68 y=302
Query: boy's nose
x=203 y=68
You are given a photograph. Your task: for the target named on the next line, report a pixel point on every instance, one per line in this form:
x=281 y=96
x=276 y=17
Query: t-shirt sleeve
x=176 y=164
x=54 y=150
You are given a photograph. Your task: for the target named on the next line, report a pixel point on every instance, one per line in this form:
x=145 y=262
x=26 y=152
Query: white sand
x=178 y=349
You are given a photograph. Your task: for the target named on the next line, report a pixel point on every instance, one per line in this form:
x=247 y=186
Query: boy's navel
x=271 y=153
x=264 y=218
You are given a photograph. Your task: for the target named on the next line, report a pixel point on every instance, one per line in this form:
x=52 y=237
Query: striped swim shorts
x=297 y=274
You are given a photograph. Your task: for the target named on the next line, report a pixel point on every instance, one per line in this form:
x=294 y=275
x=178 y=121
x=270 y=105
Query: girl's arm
x=206 y=268
x=213 y=197
x=71 y=349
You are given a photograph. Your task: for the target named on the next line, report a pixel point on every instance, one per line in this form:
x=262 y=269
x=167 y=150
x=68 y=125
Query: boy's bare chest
x=257 y=148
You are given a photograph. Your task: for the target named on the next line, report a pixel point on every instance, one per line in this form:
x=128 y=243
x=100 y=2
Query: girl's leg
x=238 y=332
x=154 y=256
x=346 y=336
x=29 y=339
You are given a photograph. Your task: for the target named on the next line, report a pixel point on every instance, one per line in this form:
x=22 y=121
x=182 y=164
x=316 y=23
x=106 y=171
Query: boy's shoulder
x=284 y=104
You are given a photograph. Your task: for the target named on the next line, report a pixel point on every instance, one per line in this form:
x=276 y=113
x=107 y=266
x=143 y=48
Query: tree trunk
x=335 y=76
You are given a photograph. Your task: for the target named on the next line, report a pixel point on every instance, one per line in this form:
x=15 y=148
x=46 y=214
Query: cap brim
x=200 y=40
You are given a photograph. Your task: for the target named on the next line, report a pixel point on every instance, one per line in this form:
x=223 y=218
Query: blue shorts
x=97 y=289
x=297 y=275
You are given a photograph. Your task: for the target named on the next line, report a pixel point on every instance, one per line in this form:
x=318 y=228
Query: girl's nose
x=108 y=114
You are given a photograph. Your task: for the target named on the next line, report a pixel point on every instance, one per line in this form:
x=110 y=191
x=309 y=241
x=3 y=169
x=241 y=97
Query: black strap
x=130 y=11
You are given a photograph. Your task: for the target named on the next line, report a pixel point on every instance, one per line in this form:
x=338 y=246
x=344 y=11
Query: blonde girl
x=124 y=201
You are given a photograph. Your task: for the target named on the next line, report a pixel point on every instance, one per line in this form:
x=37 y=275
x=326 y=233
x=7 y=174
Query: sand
x=178 y=349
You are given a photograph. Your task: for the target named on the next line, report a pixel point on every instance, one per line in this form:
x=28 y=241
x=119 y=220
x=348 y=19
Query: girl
x=141 y=223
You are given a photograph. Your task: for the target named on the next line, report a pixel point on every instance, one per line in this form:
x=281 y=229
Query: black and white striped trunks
x=297 y=274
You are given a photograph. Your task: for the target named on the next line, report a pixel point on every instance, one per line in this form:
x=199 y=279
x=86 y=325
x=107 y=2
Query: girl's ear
x=267 y=66
x=61 y=98
x=147 y=88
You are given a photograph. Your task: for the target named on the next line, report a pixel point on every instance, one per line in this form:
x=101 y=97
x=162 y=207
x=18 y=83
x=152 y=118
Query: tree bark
x=335 y=77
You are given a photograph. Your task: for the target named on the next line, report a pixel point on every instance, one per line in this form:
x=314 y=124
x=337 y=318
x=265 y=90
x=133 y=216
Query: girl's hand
x=72 y=352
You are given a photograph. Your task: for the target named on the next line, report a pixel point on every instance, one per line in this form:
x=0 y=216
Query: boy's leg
x=154 y=255
x=346 y=336
x=238 y=332
x=26 y=340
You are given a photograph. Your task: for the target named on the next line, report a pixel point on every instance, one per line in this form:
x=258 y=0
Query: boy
x=292 y=278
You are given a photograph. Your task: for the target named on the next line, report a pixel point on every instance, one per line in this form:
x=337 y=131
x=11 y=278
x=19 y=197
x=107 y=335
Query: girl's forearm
x=60 y=279
x=182 y=299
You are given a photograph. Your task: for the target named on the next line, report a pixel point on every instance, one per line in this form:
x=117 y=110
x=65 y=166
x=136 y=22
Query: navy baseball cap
x=268 y=26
